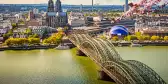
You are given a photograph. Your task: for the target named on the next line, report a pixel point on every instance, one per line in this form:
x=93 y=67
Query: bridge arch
x=148 y=74
x=92 y=47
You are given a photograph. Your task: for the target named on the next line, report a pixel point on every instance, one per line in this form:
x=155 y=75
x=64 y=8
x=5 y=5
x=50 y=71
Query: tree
x=138 y=33
x=34 y=41
x=130 y=37
x=154 y=38
x=28 y=31
x=54 y=38
x=140 y=38
x=14 y=25
x=161 y=38
x=146 y=37
x=21 y=21
x=126 y=38
x=35 y=36
x=8 y=42
x=60 y=29
x=166 y=38
x=115 y=38
x=10 y=33
x=26 y=15
x=103 y=37
x=16 y=41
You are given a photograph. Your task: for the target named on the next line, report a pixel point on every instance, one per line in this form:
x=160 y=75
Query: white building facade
x=76 y=19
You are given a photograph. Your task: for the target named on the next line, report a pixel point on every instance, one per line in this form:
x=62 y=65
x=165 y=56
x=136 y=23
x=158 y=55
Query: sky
x=71 y=2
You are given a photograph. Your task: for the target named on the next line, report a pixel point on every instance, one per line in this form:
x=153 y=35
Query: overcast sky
x=73 y=2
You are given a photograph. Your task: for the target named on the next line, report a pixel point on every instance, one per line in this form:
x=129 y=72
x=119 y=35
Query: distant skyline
x=70 y=2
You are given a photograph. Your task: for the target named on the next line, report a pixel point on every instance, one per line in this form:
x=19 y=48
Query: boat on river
x=62 y=47
x=136 y=45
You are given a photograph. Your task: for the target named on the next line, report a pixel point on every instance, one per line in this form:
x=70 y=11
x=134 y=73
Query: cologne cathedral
x=55 y=17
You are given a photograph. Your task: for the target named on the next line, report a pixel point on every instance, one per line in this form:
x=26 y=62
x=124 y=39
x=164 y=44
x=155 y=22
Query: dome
x=118 y=30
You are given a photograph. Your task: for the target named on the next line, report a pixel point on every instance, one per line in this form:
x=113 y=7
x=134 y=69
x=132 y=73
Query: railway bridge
x=104 y=54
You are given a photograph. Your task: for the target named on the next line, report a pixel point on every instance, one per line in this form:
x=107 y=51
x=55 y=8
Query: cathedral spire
x=58 y=7
x=50 y=6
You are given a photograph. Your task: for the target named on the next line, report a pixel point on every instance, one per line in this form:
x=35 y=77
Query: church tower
x=49 y=16
x=58 y=7
x=50 y=6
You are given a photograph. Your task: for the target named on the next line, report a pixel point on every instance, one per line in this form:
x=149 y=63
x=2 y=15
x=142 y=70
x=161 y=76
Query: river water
x=64 y=67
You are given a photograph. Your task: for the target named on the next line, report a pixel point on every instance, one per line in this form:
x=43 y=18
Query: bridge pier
x=104 y=76
x=80 y=53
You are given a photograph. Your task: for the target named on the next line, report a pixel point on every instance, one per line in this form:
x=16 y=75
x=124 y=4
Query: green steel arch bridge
x=103 y=53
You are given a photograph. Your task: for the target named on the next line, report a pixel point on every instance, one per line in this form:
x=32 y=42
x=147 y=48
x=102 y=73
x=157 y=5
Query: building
x=126 y=6
x=89 y=30
x=120 y=31
x=92 y=5
x=81 y=8
x=76 y=19
x=19 y=16
x=33 y=22
x=100 y=22
x=1 y=17
x=11 y=17
x=56 y=18
x=35 y=11
x=42 y=30
x=128 y=23
x=3 y=31
x=30 y=15
x=5 y=24
x=152 y=25
x=19 y=33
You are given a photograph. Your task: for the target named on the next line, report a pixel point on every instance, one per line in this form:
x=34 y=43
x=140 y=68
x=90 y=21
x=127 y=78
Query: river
x=64 y=67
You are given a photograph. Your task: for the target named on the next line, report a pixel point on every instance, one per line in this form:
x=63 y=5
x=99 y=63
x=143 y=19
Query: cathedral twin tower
x=58 y=7
x=55 y=17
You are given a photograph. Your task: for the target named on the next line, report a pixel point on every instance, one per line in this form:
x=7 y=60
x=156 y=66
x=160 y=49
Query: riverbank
x=28 y=47
x=141 y=43
x=118 y=44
